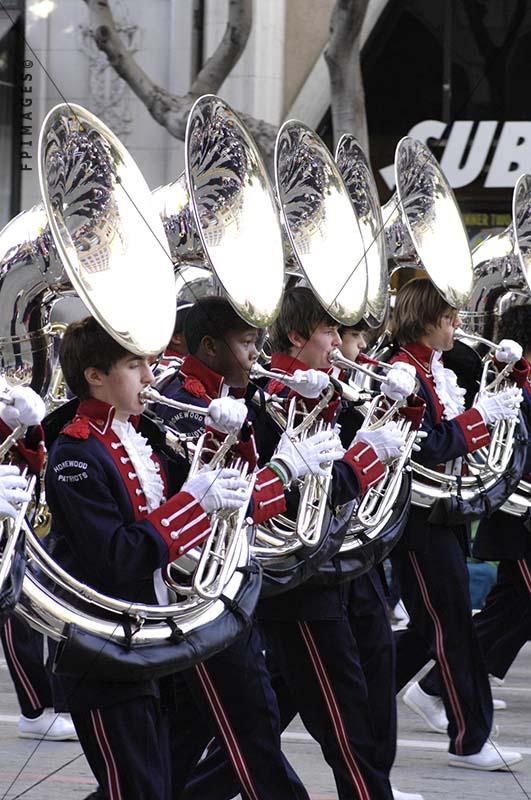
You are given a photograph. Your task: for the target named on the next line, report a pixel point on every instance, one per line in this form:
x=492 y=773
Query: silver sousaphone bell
x=501 y=265
x=359 y=180
x=423 y=224
x=221 y=219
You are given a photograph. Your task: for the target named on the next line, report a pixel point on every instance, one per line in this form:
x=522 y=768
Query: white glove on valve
x=387 y=442
x=27 y=409
x=12 y=490
x=312 y=383
x=508 y=351
x=226 y=414
x=502 y=405
x=399 y=382
x=215 y=489
x=308 y=455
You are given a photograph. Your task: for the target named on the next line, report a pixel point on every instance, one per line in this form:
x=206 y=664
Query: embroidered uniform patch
x=71 y=471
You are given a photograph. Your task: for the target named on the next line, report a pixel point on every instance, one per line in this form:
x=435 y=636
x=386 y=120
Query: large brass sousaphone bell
x=221 y=219
x=324 y=233
x=109 y=245
x=423 y=224
x=501 y=265
x=359 y=180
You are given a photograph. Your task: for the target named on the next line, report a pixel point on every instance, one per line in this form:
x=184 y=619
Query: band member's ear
x=93 y=376
x=209 y=346
x=296 y=339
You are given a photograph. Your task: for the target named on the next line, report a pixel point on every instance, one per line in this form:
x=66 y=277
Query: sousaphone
x=99 y=236
x=325 y=249
x=424 y=229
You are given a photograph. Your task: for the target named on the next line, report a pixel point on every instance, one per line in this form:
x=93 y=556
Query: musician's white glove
x=217 y=488
x=399 y=382
x=226 y=414
x=501 y=405
x=508 y=351
x=417 y=446
x=312 y=383
x=12 y=490
x=387 y=442
x=309 y=455
x=27 y=409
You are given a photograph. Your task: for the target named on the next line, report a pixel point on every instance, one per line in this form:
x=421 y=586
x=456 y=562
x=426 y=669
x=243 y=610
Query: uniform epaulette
x=79 y=428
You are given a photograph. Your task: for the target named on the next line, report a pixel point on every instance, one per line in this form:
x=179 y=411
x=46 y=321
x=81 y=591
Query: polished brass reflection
x=359 y=180
x=106 y=229
x=321 y=222
x=221 y=213
x=502 y=266
x=423 y=225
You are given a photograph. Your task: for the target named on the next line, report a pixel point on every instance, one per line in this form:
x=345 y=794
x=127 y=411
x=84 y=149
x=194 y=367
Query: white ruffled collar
x=140 y=454
x=449 y=393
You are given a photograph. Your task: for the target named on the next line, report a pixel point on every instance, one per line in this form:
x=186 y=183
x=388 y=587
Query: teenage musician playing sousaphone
x=503 y=625
x=222 y=348
x=431 y=557
x=307 y=632
x=120 y=513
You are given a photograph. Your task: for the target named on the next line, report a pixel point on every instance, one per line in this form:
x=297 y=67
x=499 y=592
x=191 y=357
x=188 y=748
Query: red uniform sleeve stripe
x=366 y=465
x=474 y=429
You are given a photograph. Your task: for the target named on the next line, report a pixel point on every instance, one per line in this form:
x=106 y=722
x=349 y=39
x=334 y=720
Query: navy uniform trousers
x=23 y=650
x=435 y=590
x=503 y=626
x=133 y=745
x=339 y=675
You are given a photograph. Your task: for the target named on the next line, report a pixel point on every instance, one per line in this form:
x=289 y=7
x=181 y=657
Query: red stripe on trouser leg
x=333 y=710
x=19 y=669
x=113 y=779
x=228 y=735
x=441 y=655
x=526 y=574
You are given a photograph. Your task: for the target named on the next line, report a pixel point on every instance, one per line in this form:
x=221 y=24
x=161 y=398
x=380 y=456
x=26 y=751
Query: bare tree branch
x=170 y=110
x=343 y=58
x=229 y=50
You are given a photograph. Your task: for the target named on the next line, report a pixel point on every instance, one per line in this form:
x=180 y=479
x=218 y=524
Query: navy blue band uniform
x=431 y=563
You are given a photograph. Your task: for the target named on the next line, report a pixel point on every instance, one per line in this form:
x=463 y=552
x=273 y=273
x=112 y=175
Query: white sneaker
x=49 y=727
x=498 y=705
x=398 y=795
x=430 y=708
x=489 y=758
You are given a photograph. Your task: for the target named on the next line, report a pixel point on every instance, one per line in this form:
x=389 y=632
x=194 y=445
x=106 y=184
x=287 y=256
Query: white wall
x=66 y=67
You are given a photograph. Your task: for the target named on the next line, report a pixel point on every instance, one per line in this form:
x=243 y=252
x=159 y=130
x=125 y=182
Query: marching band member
x=222 y=348
x=503 y=625
x=110 y=495
x=338 y=729
x=367 y=605
x=23 y=646
x=431 y=557
x=310 y=636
